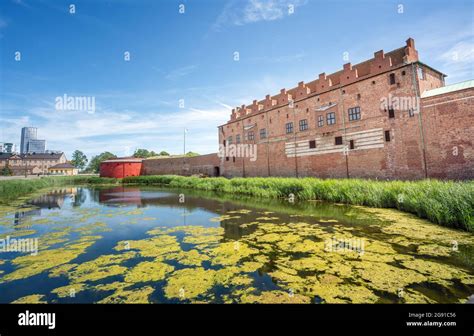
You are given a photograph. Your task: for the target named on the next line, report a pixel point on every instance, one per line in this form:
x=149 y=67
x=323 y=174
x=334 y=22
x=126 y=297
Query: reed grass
x=447 y=203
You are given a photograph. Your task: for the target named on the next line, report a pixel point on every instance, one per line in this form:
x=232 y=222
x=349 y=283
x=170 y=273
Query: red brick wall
x=448 y=124
x=365 y=85
x=120 y=169
x=203 y=164
x=399 y=158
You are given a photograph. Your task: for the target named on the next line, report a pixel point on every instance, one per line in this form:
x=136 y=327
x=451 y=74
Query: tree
x=191 y=154
x=6 y=171
x=79 y=159
x=164 y=153
x=143 y=153
x=94 y=164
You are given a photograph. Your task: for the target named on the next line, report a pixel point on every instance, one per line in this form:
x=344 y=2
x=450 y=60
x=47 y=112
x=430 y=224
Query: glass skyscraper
x=36 y=146
x=29 y=141
x=27 y=134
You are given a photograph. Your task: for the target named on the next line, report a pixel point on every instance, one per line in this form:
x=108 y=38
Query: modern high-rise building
x=36 y=146
x=29 y=141
x=27 y=134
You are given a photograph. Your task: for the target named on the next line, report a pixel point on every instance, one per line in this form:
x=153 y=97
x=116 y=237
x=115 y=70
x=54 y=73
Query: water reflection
x=52 y=200
x=188 y=202
x=145 y=244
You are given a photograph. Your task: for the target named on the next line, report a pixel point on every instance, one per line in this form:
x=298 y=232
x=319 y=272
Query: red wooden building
x=121 y=167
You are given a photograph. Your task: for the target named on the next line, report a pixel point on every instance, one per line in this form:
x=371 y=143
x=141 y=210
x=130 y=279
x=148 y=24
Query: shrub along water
x=444 y=202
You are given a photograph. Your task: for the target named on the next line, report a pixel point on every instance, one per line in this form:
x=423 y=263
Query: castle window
x=289 y=127
x=391 y=112
x=354 y=113
x=250 y=135
x=223 y=142
x=312 y=144
x=320 y=121
x=373 y=82
x=237 y=138
x=303 y=125
x=404 y=73
x=263 y=133
x=331 y=118
x=351 y=144
x=392 y=78
x=421 y=73
x=358 y=96
x=229 y=140
x=233 y=159
x=411 y=112
x=338 y=140
x=227 y=158
x=387 y=136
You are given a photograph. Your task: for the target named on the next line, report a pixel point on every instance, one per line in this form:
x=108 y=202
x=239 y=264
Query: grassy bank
x=446 y=203
x=12 y=189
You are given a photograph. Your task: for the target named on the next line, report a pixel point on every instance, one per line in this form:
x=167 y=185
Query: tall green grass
x=446 y=203
x=12 y=189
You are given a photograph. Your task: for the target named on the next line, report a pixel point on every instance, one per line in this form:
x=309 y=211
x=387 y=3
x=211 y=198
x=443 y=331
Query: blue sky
x=190 y=56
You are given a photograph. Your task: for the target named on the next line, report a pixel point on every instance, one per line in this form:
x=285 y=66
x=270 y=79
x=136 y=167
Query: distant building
x=36 y=146
x=31 y=164
x=63 y=169
x=27 y=134
x=7 y=147
x=30 y=142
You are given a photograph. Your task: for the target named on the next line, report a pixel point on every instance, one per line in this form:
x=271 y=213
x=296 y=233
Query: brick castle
x=390 y=117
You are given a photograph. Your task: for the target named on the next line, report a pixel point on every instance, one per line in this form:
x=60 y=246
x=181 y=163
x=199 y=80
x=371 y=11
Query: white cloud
x=458 y=61
x=181 y=72
x=252 y=11
x=115 y=131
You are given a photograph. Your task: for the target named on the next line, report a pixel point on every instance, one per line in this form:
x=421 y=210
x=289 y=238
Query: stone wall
x=203 y=164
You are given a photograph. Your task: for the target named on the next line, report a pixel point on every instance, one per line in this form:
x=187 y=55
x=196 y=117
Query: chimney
x=411 y=54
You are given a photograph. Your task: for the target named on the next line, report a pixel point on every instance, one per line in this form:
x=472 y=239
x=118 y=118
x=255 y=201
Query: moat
x=152 y=245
